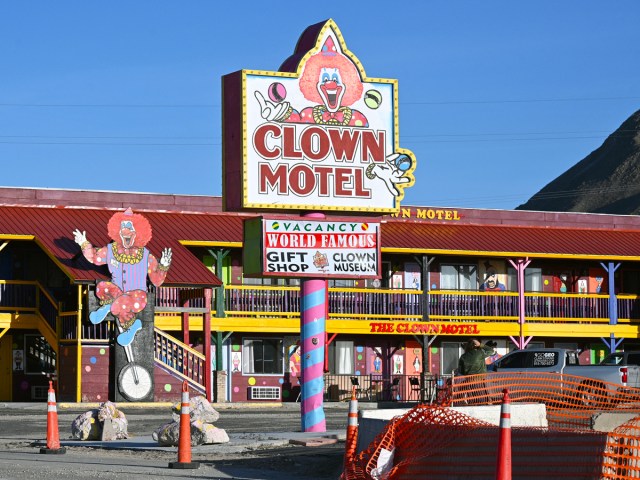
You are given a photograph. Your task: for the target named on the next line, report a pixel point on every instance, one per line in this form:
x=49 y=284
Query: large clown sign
x=318 y=135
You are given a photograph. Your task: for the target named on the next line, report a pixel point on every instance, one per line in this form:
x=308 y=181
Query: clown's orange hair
x=348 y=72
x=140 y=223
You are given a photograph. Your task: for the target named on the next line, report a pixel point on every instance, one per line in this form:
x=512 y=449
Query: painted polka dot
x=236 y=389
x=251 y=381
x=87 y=368
x=24 y=385
x=99 y=259
x=434 y=349
x=235 y=348
x=359 y=123
x=264 y=382
x=102 y=351
x=136 y=305
x=360 y=349
x=360 y=357
x=167 y=387
x=281 y=381
x=93 y=360
x=285 y=394
x=99 y=397
x=357 y=372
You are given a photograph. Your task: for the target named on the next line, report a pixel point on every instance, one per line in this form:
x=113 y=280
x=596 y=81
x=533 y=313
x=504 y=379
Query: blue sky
x=497 y=98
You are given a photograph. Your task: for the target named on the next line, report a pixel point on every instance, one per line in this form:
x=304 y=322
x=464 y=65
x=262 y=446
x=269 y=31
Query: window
x=341 y=357
x=532 y=279
x=40 y=357
x=262 y=356
x=449 y=356
x=458 y=277
x=515 y=360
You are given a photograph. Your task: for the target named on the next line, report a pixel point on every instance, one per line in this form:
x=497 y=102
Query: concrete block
x=609 y=421
x=372 y=422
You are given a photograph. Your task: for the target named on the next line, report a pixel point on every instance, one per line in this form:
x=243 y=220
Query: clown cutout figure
x=129 y=263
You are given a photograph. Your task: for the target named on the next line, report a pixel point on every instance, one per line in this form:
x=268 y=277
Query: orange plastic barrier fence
x=438 y=442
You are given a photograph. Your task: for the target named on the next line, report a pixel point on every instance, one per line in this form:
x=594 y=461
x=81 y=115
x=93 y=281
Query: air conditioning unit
x=264 y=393
x=39 y=393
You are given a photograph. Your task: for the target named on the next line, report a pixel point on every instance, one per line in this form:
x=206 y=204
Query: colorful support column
x=520 y=266
x=313 y=310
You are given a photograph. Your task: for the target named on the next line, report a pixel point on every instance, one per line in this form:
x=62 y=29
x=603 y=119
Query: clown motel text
x=428 y=214
x=423 y=328
x=321 y=248
x=322 y=160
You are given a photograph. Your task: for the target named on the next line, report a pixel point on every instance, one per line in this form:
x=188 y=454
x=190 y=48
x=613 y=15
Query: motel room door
x=6 y=366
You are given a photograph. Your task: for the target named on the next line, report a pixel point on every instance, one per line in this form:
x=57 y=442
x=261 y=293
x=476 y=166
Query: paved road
x=23 y=429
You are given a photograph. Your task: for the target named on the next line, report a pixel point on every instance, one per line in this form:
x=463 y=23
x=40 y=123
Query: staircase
x=180 y=360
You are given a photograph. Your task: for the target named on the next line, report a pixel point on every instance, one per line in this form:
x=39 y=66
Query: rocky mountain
x=605 y=181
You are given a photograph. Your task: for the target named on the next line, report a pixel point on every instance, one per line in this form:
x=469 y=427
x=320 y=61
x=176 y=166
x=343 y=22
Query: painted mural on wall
x=492 y=276
x=129 y=262
x=295 y=361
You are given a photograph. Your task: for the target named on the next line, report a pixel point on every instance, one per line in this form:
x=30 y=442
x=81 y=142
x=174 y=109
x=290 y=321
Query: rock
x=168 y=435
x=211 y=433
x=108 y=432
x=90 y=425
x=201 y=414
x=199 y=409
x=108 y=413
x=85 y=426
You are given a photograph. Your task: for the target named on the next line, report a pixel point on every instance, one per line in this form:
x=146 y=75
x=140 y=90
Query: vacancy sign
x=311 y=248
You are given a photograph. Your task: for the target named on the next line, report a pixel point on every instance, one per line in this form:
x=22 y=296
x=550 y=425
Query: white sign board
x=320 y=248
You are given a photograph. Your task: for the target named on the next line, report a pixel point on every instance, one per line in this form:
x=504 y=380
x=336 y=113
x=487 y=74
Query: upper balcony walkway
x=351 y=310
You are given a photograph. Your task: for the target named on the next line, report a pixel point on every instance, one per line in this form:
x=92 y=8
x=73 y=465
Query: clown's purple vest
x=128 y=276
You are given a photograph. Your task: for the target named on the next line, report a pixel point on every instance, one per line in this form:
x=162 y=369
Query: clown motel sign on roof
x=318 y=135
x=282 y=247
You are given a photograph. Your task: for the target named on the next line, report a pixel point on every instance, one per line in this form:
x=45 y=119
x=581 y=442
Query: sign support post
x=313 y=313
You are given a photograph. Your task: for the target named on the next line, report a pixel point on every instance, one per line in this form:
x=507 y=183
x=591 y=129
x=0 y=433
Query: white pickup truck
x=612 y=375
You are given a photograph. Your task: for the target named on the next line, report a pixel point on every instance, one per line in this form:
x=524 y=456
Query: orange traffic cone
x=184 y=440
x=351 y=441
x=503 y=470
x=53 y=439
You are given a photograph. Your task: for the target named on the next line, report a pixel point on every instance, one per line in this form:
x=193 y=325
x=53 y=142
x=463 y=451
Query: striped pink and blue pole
x=313 y=310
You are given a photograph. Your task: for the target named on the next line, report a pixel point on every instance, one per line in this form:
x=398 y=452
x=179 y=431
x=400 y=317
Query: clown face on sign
x=129 y=262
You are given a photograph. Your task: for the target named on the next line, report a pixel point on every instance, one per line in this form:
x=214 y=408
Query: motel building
x=557 y=279
x=308 y=275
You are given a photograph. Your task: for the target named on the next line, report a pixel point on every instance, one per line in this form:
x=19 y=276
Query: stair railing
x=179 y=359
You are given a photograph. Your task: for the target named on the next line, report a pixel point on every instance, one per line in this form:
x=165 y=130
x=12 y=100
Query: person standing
x=472 y=362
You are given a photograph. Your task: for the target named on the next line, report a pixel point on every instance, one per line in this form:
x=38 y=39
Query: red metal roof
x=509 y=240
x=53 y=229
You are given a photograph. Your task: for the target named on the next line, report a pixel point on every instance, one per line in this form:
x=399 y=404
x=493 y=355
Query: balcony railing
x=390 y=304
x=28 y=297
x=344 y=304
x=538 y=307
x=378 y=388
